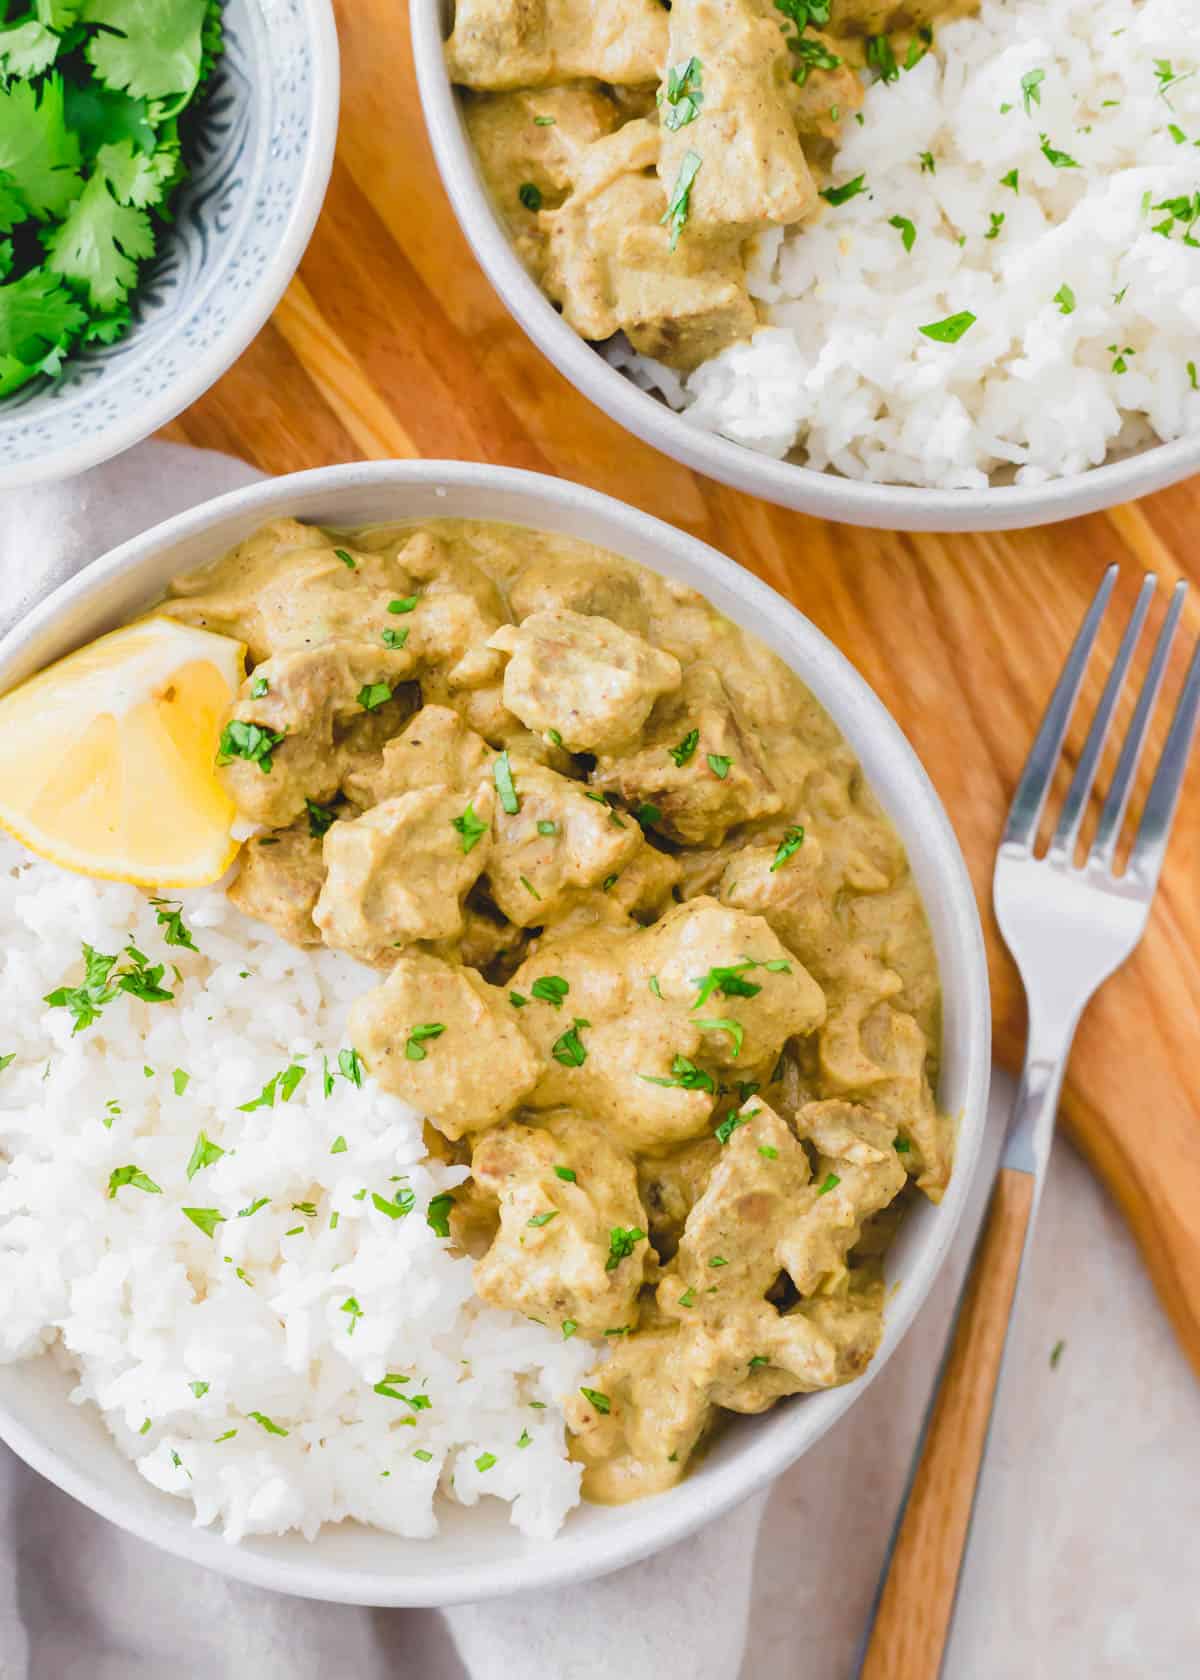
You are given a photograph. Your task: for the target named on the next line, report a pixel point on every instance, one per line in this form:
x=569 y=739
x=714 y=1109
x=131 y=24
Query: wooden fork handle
x=911 y=1626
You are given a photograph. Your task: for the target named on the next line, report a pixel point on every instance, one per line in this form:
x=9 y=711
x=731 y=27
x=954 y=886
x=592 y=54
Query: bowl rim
x=320 y=141
x=132 y=573
x=825 y=495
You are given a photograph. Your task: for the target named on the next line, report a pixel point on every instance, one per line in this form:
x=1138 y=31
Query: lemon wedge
x=108 y=758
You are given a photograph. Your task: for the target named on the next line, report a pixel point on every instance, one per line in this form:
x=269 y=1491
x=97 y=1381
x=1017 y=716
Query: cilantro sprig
x=91 y=92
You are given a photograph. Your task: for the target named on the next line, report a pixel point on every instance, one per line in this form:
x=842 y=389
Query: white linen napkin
x=1083 y=1559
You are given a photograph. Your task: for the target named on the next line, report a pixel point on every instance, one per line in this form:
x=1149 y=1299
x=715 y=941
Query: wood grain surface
x=908 y=1638
x=390 y=342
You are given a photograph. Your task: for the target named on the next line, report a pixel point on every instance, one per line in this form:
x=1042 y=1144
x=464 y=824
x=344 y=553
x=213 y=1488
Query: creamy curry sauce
x=634 y=150
x=651 y=958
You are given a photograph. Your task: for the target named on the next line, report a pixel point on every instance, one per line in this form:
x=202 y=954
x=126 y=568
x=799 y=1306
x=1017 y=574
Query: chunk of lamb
x=753 y=174
x=585 y=678
x=610 y=265
x=558 y=844
x=501 y=44
x=434 y=749
x=571 y=1250
x=721 y=966
x=307 y=702
x=554 y=580
x=279 y=881
x=292 y=587
x=699 y=763
x=446 y=1042
x=534 y=137
x=400 y=872
x=731 y=1346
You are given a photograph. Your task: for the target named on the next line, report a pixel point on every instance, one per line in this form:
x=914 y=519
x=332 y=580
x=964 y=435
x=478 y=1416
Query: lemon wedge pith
x=107 y=758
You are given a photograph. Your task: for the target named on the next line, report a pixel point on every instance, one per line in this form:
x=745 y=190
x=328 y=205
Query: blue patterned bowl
x=259 y=167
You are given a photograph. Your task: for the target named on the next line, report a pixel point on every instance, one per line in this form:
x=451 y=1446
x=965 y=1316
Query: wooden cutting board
x=391 y=343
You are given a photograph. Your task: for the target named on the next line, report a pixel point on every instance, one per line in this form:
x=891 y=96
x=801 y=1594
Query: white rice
x=147 y=1309
x=842 y=373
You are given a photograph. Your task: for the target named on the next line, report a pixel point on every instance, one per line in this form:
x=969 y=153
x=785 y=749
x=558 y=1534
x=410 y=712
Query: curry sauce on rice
x=545 y=1083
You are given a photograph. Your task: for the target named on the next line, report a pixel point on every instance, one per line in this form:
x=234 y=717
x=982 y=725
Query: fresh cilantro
x=1012 y=179
x=247 y=1212
x=723 y=1024
x=540 y=1219
x=168 y=914
x=373 y=695
x=719 y=765
x=350 y=1067
x=249 y=741
x=1056 y=1353
x=470 y=828
x=505 y=786
x=399 y=1209
x=569 y=1328
x=881 y=57
x=530 y=195
x=1031 y=89
x=567 y=1174
x=688 y=1298
x=199 y=1389
x=844 y=193
x=525 y=1438
x=320 y=818
x=621 y=1244
x=551 y=989
x=205 y=1154
x=351 y=1307
x=996 y=219
x=427 y=1457
x=517 y=1000
x=437 y=1214
x=814 y=54
x=547 y=829
x=1064 y=297
x=683 y=95
x=601 y=1402
x=414 y=1044
x=793 y=839
x=729 y=1125
x=135 y=1178
x=768 y=1152
x=347 y=559
x=406 y=605
x=394 y=639
x=727 y=981
x=686 y=748
x=485 y=1461
x=951 y=329
x=11 y=1057
x=906 y=230
x=266 y=1423
x=569 y=1049
x=685 y=1074
x=204 y=1219
x=1060 y=160
x=928 y=166
x=831 y=1182
x=679 y=204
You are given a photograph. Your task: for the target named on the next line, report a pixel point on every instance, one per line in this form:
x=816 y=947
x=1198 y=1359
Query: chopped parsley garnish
x=168 y=913
x=386 y=1386
x=394 y=639
x=203 y=1155
x=727 y=981
x=686 y=748
x=844 y=193
x=902 y=1146
x=414 y=1044
x=906 y=230
x=399 y=1209
x=281 y=1084
x=768 y=1152
x=621 y=1244
x=683 y=96
x=470 y=828
x=569 y=1328
x=996 y=219
x=928 y=166
x=1192 y=379
x=505 y=786
x=729 y=1125
x=647 y=814
x=1012 y=179
x=1056 y=1353
x=1060 y=160
x=102 y=980
x=204 y=1219
x=525 y=1439
x=759 y=1360
x=540 y=1219
x=146 y=1427
x=135 y=1178
x=719 y=765
x=718 y=1260
x=5 y=1060
x=530 y=195
x=881 y=57
x=609 y=882
x=259 y=687
x=684 y=1074
x=601 y=1402
x=406 y=605
x=547 y=829
x=517 y=1000
x=1120 y=365
x=437 y=1214
x=485 y=1461
x=654 y=986
x=1064 y=297
x=951 y=329
x=249 y=741
x=570 y=1049
x=246 y=1212
x=551 y=989
x=339 y=1146
x=1031 y=89
x=199 y=1389
x=350 y=1067
x=320 y=818
x=688 y=1298
x=543 y=122
x=831 y=1182
x=723 y=1024
x=813 y=54
x=554 y=737
x=266 y=1423
x=676 y=214
x=347 y=560
x=804 y=12
x=793 y=839
x=373 y=695
x=420 y=1452
x=351 y=1306
x=567 y=1174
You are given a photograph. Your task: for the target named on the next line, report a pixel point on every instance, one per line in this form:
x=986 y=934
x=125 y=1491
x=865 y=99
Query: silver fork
x=1068 y=927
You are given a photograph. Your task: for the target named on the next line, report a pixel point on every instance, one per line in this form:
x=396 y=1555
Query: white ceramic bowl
x=828 y=496
x=259 y=167
x=478 y=1554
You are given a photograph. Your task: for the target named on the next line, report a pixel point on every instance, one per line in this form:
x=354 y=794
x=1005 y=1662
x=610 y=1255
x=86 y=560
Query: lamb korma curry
x=633 y=150
x=651 y=958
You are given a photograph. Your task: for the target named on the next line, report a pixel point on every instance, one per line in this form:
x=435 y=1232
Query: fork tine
x=1030 y=797
x=1150 y=844
x=1067 y=831
x=1113 y=814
